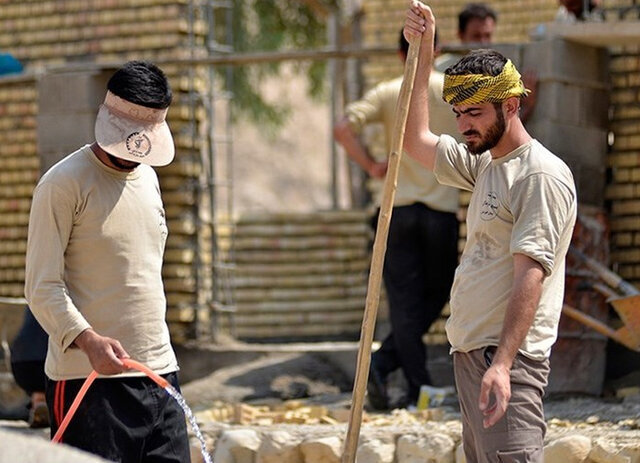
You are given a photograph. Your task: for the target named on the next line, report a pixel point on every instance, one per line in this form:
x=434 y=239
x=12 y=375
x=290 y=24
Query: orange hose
x=159 y=380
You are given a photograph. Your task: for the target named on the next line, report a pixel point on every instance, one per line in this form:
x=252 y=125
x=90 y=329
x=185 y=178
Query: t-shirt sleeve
x=541 y=208
x=455 y=165
x=366 y=110
x=50 y=225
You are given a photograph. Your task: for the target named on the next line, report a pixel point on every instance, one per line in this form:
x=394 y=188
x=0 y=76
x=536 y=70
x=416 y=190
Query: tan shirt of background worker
x=415 y=183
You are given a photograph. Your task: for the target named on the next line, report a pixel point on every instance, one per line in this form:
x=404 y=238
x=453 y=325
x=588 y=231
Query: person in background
x=28 y=352
x=97 y=233
x=574 y=11
x=422 y=247
x=476 y=26
x=507 y=295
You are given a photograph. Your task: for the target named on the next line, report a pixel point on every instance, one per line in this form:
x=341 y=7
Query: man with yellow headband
x=97 y=233
x=508 y=289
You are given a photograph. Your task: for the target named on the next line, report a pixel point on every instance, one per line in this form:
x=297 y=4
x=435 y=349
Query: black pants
x=422 y=254
x=126 y=420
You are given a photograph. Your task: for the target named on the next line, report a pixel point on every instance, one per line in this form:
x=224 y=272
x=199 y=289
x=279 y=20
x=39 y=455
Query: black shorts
x=126 y=420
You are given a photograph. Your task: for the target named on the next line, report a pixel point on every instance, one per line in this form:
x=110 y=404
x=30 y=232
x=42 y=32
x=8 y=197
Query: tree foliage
x=271 y=25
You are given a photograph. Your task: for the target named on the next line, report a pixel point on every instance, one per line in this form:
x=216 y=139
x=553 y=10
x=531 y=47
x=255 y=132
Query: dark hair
x=143 y=83
x=403 y=44
x=475 y=11
x=482 y=61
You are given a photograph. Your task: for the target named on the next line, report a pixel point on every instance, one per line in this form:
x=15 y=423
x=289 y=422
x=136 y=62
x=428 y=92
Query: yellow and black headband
x=478 y=88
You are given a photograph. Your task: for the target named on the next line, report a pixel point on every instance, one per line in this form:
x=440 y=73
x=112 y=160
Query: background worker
x=574 y=11
x=422 y=248
x=28 y=352
x=476 y=26
x=97 y=233
x=509 y=287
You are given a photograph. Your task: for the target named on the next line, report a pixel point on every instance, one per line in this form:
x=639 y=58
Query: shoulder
x=542 y=162
x=67 y=170
x=389 y=87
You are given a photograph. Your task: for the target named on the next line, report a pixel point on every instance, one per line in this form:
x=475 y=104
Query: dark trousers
x=126 y=420
x=422 y=254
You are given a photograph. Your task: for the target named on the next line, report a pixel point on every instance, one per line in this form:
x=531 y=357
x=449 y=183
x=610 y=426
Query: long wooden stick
x=377 y=258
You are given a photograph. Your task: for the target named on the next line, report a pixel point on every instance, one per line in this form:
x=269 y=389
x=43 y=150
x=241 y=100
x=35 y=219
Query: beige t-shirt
x=94 y=259
x=524 y=202
x=415 y=182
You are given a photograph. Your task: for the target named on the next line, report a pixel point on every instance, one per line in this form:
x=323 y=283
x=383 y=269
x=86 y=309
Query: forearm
x=352 y=145
x=419 y=142
x=418 y=119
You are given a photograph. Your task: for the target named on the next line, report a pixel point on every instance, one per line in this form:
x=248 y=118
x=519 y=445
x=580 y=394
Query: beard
x=490 y=138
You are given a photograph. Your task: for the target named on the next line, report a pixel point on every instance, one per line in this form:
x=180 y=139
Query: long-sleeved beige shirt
x=94 y=259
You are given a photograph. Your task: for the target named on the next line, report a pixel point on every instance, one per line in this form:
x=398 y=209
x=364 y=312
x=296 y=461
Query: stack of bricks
x=623 y=191
x=43 y=33
x=300 y=276
x=18 y=173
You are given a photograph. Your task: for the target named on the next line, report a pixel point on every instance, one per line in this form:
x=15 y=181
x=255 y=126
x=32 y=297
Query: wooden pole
x=377 y=258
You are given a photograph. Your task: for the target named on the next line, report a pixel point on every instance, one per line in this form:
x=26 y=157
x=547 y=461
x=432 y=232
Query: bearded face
x=482 y=125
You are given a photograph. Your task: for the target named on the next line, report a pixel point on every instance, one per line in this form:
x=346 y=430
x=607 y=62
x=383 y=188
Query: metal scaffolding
x=219 y=164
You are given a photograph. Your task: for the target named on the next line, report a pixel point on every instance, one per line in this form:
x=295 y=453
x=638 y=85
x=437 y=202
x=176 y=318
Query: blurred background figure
x=476 y=25
x=422 y=246
x=572 y=11
x=28 y=352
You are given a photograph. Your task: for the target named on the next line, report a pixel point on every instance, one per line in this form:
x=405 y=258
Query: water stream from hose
x=192 y=420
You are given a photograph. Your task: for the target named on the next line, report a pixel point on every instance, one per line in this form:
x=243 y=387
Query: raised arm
x=419 y=142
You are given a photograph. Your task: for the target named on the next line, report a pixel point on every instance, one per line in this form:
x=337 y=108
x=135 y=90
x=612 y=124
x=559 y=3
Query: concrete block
x=584 y=357
x=435 y=448
x=58 y=129
x=279 y=447
x=375 y=451
x=237 y=446
x=558 y=60
x=72 y=91
x=589 y=144
x=322 y=450
x=583 y=149
x=571 y=104
x=512 y=51
x=568 y=449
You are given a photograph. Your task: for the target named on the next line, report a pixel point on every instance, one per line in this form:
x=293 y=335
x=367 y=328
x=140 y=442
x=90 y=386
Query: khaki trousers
x=518 y=436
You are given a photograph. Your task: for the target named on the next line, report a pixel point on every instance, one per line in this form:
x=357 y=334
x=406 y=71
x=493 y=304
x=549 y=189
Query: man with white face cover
x=97 y=233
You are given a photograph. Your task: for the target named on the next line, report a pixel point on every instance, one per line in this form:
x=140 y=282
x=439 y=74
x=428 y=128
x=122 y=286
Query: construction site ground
x=279 y=398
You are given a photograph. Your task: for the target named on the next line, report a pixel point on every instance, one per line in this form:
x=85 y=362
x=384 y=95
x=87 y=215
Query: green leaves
x=272 y=25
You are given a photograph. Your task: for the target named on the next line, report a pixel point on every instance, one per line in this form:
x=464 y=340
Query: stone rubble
x=400 y=437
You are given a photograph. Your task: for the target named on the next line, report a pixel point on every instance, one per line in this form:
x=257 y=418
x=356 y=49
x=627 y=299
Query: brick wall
x=623 y=191
x=50 y=33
